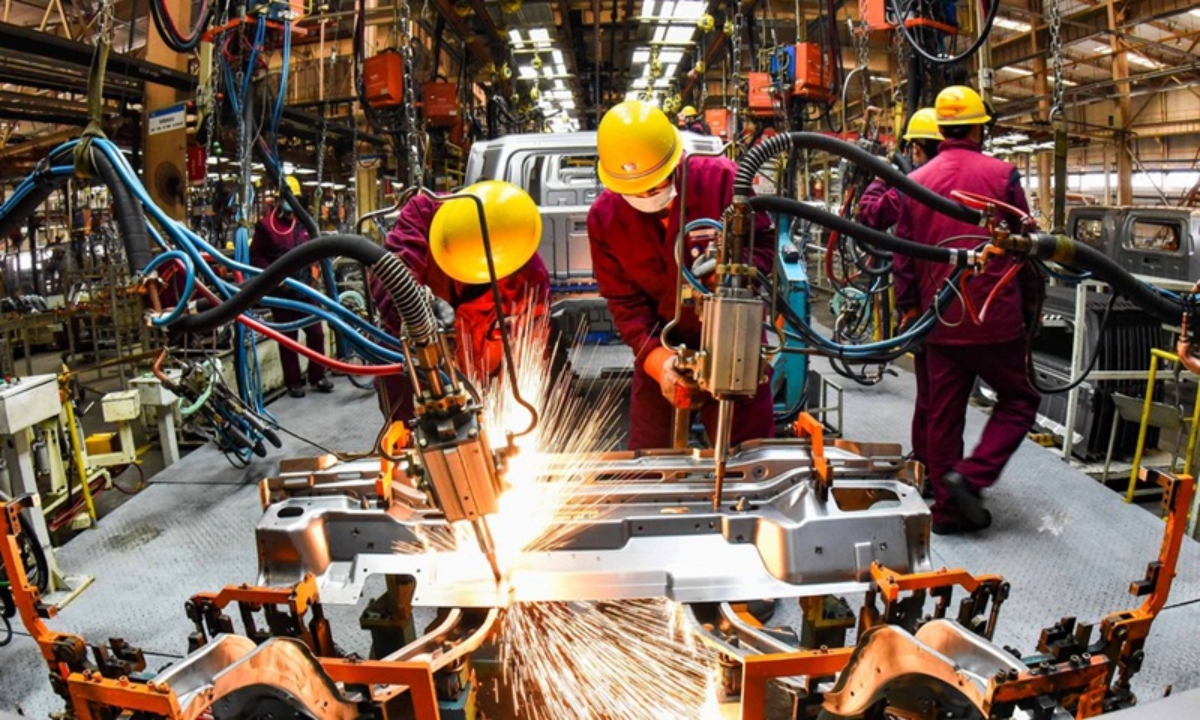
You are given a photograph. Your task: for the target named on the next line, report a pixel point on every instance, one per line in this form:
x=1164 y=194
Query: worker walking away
x=690 y=119
x=879 y=209
x=274 y=235
x=966 y=346
x=441 y=243
x=632 y=228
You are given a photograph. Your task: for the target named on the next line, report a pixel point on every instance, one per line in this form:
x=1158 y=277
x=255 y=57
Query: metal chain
x=404 y=26
x=736 y=73
x=319 y=193
x=1058 y=103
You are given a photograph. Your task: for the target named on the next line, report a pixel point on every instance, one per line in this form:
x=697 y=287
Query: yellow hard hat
x=293 y=184
x=960 y=105
x=514 y=231
x=688 y=112
x=923 y=125
x=638 y=147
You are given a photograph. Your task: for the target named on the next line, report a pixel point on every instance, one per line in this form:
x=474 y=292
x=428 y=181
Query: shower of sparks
x=586 y=660
x=595 y=661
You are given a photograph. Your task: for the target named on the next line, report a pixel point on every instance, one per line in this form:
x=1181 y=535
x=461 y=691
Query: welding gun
x=730 y=362
x=458 y=463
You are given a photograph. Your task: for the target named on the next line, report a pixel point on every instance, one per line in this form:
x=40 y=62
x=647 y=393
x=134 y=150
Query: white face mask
x=654 y=203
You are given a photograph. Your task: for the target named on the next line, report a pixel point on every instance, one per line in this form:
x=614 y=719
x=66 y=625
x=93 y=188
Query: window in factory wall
x=1157 y=236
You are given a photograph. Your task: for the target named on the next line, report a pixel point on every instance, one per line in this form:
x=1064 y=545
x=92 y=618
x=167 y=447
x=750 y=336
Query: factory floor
x=1067 y=544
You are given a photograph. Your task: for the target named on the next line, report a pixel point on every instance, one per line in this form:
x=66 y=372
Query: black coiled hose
x=409 y=296
x=759 y=155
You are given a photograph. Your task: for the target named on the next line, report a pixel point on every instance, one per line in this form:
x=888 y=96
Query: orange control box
x=718 y=121
x=877 y=15
x=812 y=73
x=760 y=95
x=441 y=103
x=384 y=75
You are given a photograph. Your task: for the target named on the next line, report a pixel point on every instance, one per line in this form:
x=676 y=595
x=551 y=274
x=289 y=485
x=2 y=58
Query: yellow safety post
x=1143 y=429
x=76 y=440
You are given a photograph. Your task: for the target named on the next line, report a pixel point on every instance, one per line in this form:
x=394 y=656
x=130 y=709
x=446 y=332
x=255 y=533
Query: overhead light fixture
x=689 y=10
x=1143 y=61
x=559 y=85
x=558 y=57
x=1017 y=70
x=526 y=72
x=649 y=9
x=679 y=34
x=304 y=171
x=1015 y=25
x=515 y=36
x=641 y=57
x=539 y=35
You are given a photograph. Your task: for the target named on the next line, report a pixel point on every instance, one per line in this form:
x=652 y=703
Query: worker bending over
x=632 y=228
x=275 y=235
x=457 y=273
x=876 y=210
x=964 y=346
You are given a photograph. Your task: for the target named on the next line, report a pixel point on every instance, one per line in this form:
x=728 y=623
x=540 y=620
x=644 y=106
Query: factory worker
x=959 y=349
x=275 y=234
x=879 y=209
x=441 y=244
x=632 y=228
x=689 y=119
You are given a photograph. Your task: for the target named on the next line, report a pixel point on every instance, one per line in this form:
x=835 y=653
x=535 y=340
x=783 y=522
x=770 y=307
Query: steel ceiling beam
x=1081 y=25
x=32 y=42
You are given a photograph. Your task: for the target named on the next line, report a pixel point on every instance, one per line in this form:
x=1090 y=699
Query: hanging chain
x=404 y=28
x=1058 y=103
x=863 y=51
x=736 y=73
x=318 y=195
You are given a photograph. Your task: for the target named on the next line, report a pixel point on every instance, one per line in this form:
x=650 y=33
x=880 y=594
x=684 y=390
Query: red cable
x=966 y=295
x=284 y=340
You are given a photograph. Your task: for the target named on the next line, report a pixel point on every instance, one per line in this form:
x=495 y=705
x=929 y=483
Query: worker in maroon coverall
x=958 y=350
x=632 y=228
x=526 y=290
x=923 y=137
x=274 y=235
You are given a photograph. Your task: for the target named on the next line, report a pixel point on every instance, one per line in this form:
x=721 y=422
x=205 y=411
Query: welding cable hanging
x=167 y=29
x=903 y=12
x=759 y=155
x=410 y=297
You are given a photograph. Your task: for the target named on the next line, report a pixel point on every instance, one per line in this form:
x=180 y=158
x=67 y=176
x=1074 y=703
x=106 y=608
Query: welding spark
x=595 y=661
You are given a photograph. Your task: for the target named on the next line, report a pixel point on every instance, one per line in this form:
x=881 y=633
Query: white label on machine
x=167 y=119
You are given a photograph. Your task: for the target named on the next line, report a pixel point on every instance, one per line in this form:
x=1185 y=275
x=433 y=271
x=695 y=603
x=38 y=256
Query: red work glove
x=677 y=387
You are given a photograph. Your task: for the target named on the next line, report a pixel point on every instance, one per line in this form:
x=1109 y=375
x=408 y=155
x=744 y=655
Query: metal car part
x=642 y=526
x=942 y=662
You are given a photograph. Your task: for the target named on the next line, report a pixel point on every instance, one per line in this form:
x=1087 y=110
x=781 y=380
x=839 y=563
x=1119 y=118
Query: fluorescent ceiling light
x=1017 y=70
x=670 y=56
x=526 y=72
x=1144 y=61
x=679 y=34
x=558 y=57
x=288 y=168
x=649 y=9
x=1069 y=83
x=659 y=33
x=559 y=85
x=632 y=95
x=560 y=69
x=212 y=161
x=689 y=10
x=638 y=83
x=641 y=57
x=1016 y=25
x=515 y=36
x=539 y=35
x=568 y=104
x=670 y=73
x=304 y=171
x=548 y=71
x=309 y=183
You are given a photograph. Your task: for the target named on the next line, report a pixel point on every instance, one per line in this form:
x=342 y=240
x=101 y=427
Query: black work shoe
x=968 y=502
x=959 y=527
x=296 y=391
x=323 y=385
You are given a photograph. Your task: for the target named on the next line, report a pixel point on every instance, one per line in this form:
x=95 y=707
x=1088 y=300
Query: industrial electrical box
x=802 y=70
x=278 y=10
x=878 y=16
x=718 y=121
x=384 y=76
x=761 y=98
x=441 y=103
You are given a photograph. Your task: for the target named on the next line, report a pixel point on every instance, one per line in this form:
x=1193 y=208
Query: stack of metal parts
x=1125 y=345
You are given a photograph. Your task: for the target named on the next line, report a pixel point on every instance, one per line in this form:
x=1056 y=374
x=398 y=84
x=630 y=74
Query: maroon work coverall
x=958 y=350
x=475 y=310
x=875 y=210
x=633 y=256
x=272 y=238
